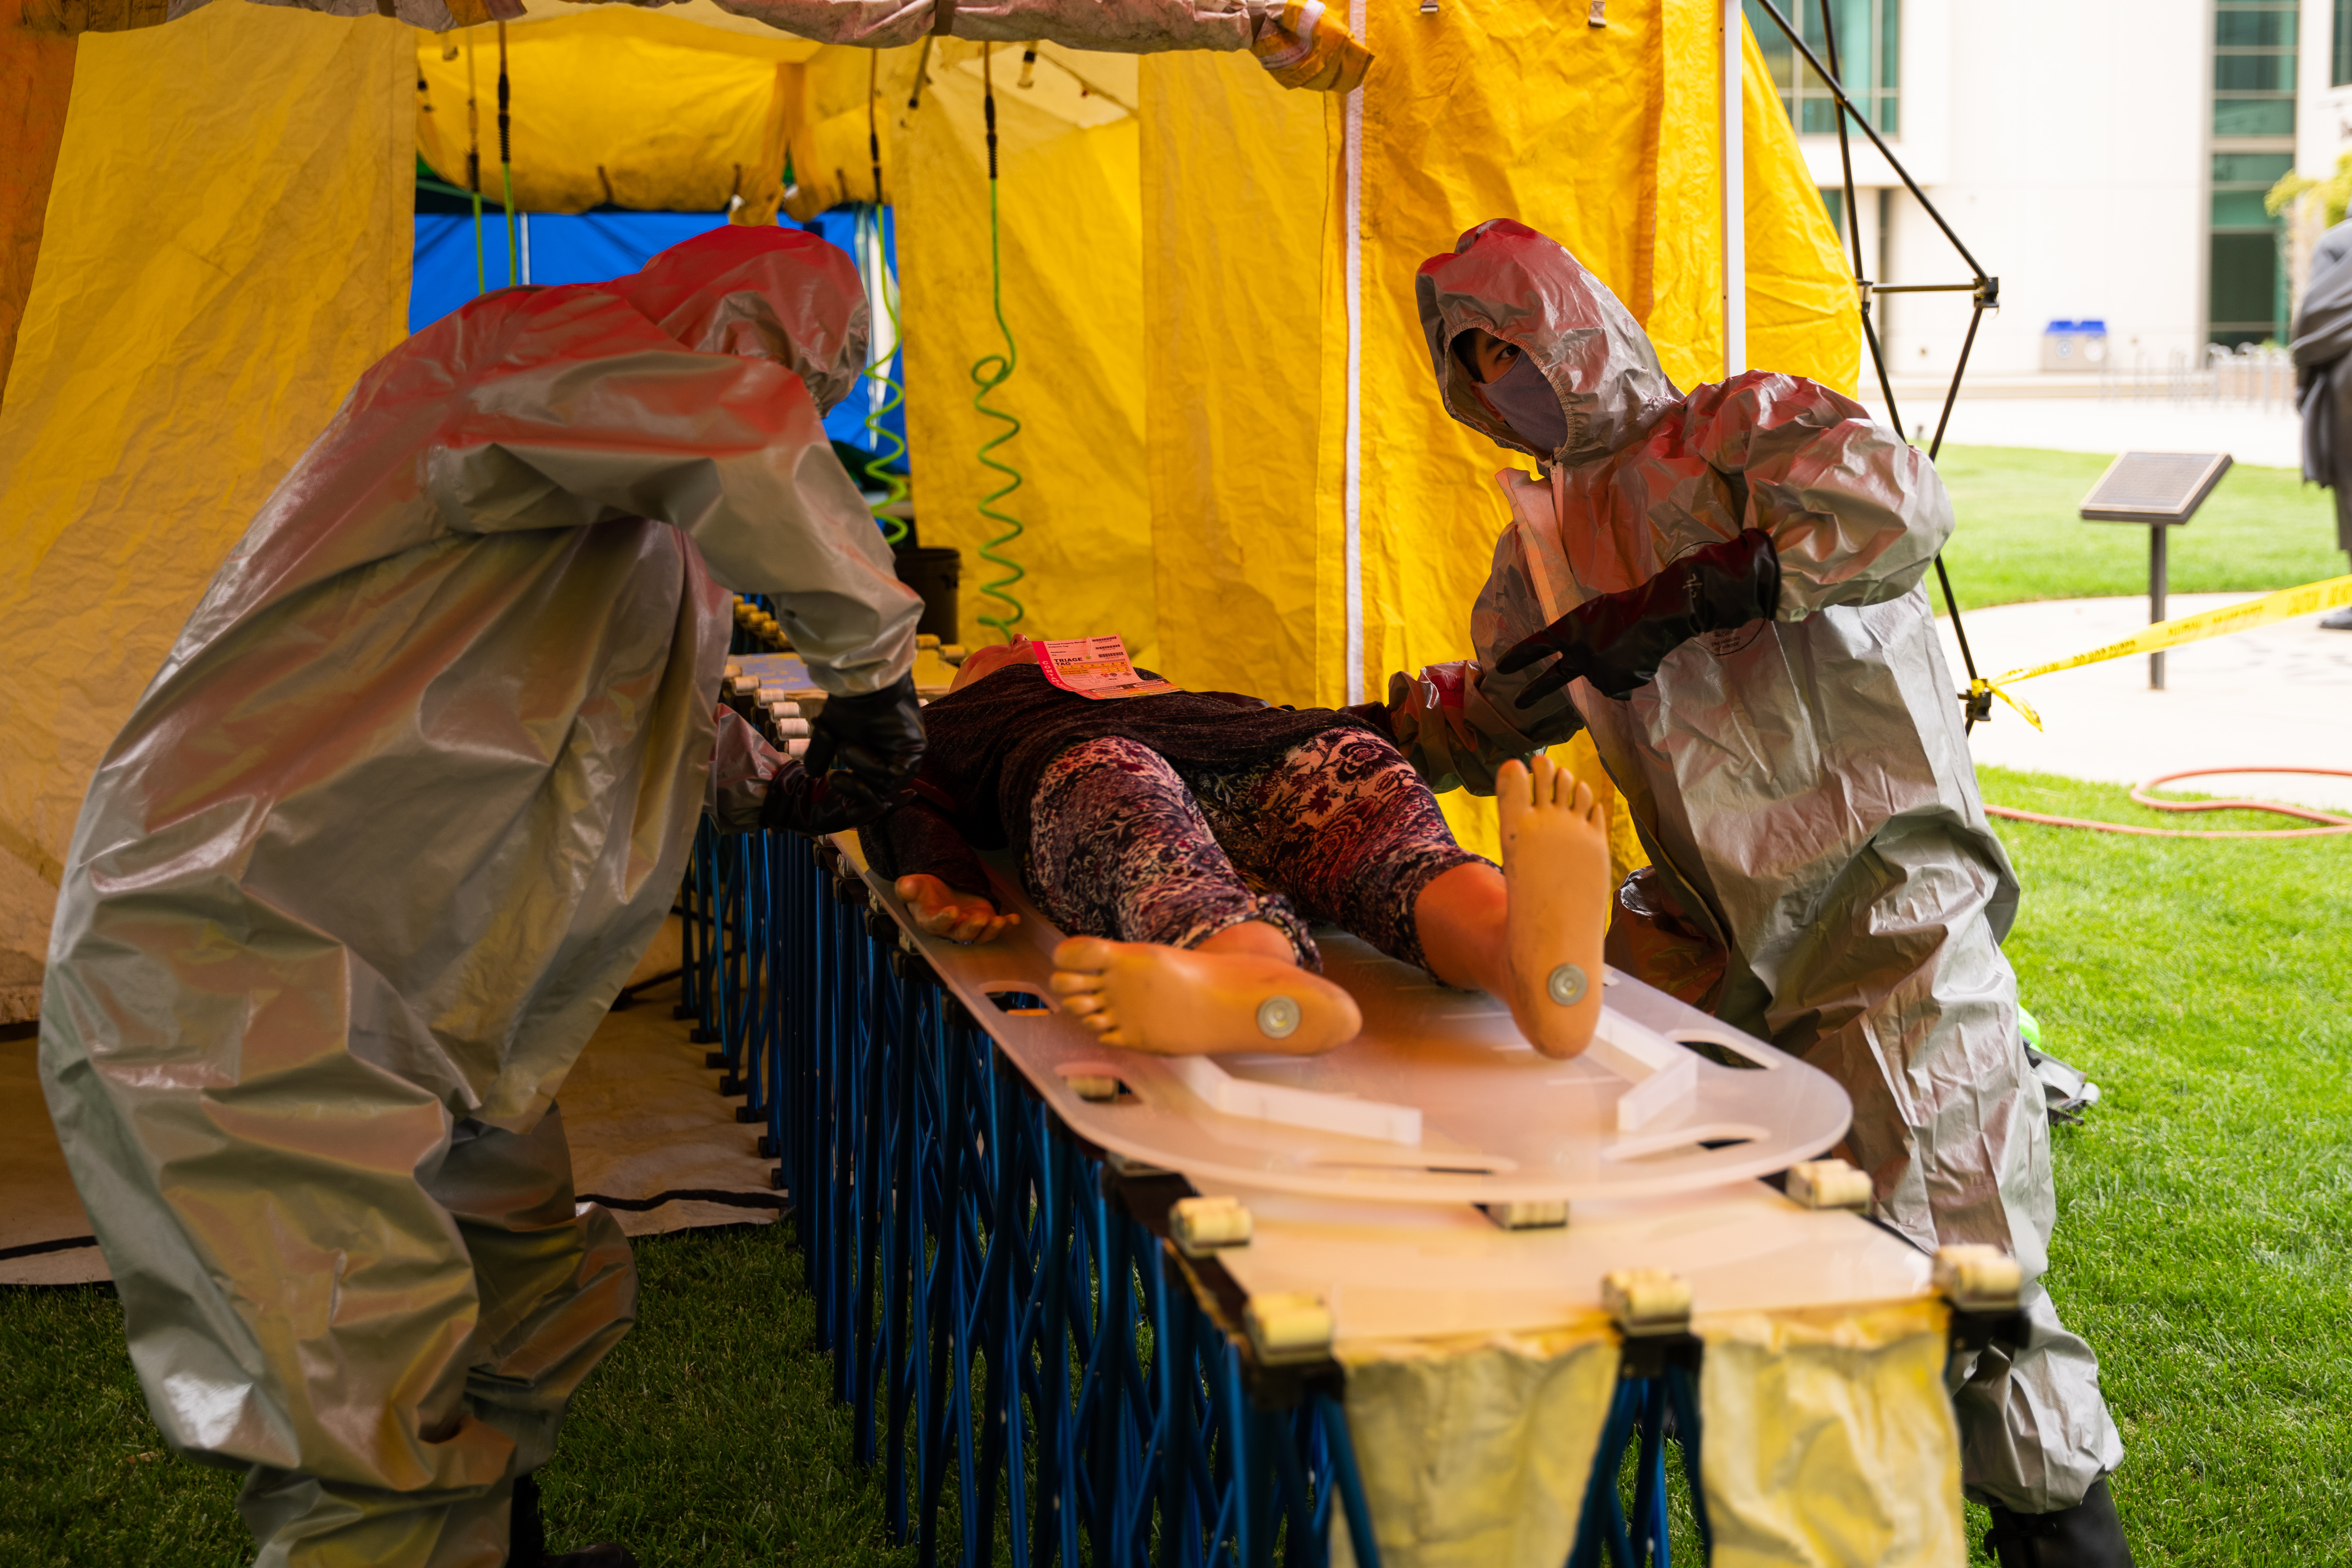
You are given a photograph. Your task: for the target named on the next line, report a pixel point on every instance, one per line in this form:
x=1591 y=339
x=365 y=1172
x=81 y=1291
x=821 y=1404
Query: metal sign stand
x=2162 y=490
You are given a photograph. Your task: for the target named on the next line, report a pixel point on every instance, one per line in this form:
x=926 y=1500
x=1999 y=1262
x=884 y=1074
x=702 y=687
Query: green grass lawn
x=2204 y=1247
x=2018 y=536
x=708 y=1436
x=2204 y=1240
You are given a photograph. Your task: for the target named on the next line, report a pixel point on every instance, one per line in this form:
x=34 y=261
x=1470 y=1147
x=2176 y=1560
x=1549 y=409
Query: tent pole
x=505 y=157
x=1732 y=185
x=1351 y=556
x=474 y=165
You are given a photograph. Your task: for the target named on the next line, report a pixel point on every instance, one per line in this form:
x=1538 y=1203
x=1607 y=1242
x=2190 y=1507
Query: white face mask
x=1527 y=403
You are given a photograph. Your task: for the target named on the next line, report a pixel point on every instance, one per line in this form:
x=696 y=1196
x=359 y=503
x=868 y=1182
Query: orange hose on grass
x=2336 y=826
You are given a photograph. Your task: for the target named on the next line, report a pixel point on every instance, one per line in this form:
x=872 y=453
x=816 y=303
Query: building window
x=2244 y=280
x=1833 y=199
x=2340 y=53
x=1870 y=48
x=2253 y=67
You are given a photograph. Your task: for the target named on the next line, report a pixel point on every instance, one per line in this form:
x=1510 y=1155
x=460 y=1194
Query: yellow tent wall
x=218 y=264
x=1804 y=315
x=1601 y=137
x=1175 y=260
x=1246 y=566
x=847 y=101
x=1071 y=232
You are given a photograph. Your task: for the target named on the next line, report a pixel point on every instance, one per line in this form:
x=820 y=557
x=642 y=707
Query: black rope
x=779 y=1202
x=1845 y=163
x=873 y=125
x=775 y=1202
x=988 y=106
x=1952 y=393
x=922 y=64
x=1837 y=90
x=1987 y=292
x=1972 y=708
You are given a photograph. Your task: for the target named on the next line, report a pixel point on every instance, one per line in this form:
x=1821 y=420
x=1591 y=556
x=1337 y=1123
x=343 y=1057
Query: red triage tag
x=1097 y=668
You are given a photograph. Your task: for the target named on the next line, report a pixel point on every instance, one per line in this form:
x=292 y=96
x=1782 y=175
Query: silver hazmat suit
x=380 y=844
x=1803 y=785
x=2321 y=346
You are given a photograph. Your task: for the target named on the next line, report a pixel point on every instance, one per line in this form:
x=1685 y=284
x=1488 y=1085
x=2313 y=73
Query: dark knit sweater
x=987 y=746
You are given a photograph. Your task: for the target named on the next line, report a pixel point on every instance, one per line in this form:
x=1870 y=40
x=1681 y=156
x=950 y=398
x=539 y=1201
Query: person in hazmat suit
x=1724 y=588
x=2321 y=346
x=385 y=836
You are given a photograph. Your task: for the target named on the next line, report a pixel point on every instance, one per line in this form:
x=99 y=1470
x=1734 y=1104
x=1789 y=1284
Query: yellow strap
x=2282 y=605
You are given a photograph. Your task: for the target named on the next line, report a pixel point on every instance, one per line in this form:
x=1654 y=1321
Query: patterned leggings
x=1341 y=830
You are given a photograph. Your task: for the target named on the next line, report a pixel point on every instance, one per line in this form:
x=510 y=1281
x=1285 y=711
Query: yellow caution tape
x=2282 y=605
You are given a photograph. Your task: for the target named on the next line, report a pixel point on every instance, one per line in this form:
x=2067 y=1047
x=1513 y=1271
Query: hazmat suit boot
x=526 y=1531
x=2087 y=1535
x=527 y=1545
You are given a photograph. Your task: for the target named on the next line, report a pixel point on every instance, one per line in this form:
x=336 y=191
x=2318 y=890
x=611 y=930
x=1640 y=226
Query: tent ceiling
x=1086 y=90
x=667 y=110
x=1130 y=26
x=614 y=105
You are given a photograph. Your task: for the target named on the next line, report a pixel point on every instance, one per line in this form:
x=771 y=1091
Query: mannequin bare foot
x=1174 y=1003
x=1556 y=864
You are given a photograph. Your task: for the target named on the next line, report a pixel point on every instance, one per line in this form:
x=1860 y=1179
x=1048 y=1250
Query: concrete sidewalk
x=2281 y=696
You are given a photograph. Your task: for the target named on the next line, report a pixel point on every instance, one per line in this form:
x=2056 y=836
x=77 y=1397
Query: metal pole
x=1733 y=213
x=2156 y=586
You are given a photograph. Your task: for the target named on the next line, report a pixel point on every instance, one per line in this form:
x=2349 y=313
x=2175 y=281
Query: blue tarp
x=588 y=248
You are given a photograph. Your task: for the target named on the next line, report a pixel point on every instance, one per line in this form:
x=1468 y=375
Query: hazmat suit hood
x=1530 y=292
x=779 y=295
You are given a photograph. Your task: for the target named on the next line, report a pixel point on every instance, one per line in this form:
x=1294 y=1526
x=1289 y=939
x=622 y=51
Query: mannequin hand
x=876 y=738
x=1618 y=641
x=941 y=911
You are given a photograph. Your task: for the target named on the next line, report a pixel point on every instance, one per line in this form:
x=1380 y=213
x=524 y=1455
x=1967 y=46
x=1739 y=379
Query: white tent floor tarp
x=644 y=1115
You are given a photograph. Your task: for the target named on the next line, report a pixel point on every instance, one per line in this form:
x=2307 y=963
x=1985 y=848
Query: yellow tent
x=681 y=116
x=218 y=262
x=1306 y=518
x=1231 y=448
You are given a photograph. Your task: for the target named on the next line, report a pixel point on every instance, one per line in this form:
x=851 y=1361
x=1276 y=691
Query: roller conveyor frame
x=950 y=1214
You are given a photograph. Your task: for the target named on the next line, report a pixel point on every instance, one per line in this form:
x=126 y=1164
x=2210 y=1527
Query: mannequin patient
x=1186 y=841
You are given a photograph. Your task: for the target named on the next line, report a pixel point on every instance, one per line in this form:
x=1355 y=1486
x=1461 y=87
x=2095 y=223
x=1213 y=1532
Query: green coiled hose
x=988 y=372
x=894 y=529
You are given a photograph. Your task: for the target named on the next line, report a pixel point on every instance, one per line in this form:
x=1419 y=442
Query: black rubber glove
x=871 y=742
x=1618 y=641
x=800 y=801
